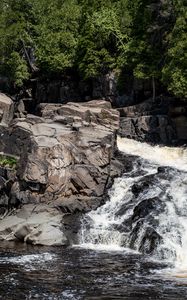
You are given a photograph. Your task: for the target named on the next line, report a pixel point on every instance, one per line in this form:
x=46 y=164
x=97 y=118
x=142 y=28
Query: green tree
x=175 y=69
x=101 y=40
x=49 y=30
x=56 y=34
x=91 y=37
x=145 y=53
x=14 y=34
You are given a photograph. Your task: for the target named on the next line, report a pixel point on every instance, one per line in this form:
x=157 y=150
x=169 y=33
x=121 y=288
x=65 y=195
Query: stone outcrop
x=152 y=129
x=178 y=115
x=6 y=110
x=148 y=122
x=65 y=160
x=65 y=89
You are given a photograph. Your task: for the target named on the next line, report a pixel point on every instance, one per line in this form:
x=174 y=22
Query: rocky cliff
x=160 y=120
x=163 y=121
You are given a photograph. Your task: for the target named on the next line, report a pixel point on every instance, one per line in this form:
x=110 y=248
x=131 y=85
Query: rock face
x=148 y=122
x=65 y=89
x=152 y=129
x=178 y=115
x=66 y=160
x=6 y=110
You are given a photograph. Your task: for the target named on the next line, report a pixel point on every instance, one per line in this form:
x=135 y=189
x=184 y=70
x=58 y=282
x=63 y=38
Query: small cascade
x=175 y=157
x=147 y=210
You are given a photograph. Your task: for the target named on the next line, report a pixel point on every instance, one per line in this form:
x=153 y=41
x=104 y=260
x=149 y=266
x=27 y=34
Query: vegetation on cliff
x=7 y=161
x=91 y=37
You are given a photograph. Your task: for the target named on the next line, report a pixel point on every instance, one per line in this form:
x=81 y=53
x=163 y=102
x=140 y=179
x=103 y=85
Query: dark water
x=57 y=273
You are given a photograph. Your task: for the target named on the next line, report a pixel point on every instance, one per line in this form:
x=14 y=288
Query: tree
x=56 y=34
x=151 y=21
x=101 y=40
x=14 y=33
x=37 y=32
x=174 y=73
x=92 y=37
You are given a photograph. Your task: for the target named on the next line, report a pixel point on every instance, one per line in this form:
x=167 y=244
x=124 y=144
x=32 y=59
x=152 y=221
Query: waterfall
x=147 y=207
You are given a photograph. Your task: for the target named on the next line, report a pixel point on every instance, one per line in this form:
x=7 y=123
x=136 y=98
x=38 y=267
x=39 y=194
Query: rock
x=6 y=110
x=137 y=188
x=150 y=241
x=57 y=162
x=49 y=234
x=162 y=121
x=37 y=225
x=7 y=178
x=145 y=207
x=181 y=127
x=58 y=91
x=66 y=161
x=91 y=113
x=147 y=108
x=156 y=129
x=65 y=89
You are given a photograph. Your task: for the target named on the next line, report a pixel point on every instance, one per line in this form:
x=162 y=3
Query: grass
x=7 y=161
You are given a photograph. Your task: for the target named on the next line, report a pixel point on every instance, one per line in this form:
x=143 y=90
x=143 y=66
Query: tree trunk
x=154 y=88
x=31 y=65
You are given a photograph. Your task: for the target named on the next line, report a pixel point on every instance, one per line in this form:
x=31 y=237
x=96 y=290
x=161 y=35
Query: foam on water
x=103 y=247
x=175 y=157
x=30 y=261
x=100 y=227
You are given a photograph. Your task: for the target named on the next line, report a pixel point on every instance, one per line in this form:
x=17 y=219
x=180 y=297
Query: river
x=76 y=273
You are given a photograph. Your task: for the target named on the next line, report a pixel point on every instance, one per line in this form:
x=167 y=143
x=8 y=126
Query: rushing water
x=147 y=210
x=146 y=213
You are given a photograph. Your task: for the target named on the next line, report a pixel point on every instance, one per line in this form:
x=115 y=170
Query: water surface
x=77 y=273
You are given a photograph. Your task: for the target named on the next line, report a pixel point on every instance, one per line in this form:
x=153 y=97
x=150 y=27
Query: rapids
x=147 y=210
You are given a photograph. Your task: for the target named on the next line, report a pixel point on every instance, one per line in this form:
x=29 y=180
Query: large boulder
x=95 y=112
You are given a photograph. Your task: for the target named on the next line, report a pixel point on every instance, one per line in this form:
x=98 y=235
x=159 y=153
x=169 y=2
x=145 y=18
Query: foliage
x=56 y=33
x=6 y=161
x=175 y=69
x=100 y=42
x=91 y=37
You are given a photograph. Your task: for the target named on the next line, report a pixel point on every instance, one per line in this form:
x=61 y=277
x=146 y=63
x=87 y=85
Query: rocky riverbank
x=65 y=164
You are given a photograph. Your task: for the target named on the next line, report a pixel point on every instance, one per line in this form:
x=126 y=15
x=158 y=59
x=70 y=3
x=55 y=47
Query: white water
x=175 y=157
x=105 y=229
x=29 y=261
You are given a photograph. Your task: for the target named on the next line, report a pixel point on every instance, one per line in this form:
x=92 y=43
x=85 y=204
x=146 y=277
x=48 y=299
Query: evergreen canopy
x=94 y=36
